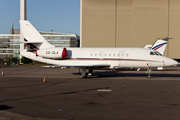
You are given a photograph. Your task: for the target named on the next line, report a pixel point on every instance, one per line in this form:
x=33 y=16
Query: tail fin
x=32 y=36
x=160 y=44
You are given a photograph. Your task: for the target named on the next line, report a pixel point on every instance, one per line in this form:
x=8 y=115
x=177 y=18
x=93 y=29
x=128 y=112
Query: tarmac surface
x=107 y=95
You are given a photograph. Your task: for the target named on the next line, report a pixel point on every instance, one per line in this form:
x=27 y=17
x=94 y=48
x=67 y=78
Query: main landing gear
x=84 y=73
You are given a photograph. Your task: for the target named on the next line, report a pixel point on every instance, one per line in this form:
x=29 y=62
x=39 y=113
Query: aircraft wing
x=81 y=66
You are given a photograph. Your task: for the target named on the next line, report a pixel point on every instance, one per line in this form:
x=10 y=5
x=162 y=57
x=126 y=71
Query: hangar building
x=130 y=23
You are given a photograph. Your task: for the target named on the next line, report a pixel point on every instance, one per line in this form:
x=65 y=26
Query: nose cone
x=170 y=62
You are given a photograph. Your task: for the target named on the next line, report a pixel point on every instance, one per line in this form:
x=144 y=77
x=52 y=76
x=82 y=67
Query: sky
x=61 y=16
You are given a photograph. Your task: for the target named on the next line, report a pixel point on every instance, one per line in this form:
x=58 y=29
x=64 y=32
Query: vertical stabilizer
x=31 y=35
x=160 y=44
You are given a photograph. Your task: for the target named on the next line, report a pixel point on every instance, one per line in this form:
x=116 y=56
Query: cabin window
x=152 y=53
x=91 y=55
x=105 y=55
x=96 y=55
x=118 y=55
x=122 y=55
x=109 y=55
x=114 y=55
x=127 y=55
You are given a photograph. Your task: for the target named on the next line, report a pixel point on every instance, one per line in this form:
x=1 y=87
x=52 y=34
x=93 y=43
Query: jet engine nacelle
x=52 y=53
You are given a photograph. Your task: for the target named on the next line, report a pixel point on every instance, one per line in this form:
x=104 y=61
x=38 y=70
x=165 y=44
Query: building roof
x=53 y=33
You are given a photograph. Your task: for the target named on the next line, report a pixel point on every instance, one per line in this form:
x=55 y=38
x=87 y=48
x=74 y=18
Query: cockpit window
x=158 y=53
x=155 y=53
x=152 y=53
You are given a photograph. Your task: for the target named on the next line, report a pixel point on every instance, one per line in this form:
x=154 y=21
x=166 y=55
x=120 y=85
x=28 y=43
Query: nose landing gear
x=149 y=72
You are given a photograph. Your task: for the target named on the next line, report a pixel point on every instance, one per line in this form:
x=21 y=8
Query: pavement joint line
x=104 y=90
x=27 y=72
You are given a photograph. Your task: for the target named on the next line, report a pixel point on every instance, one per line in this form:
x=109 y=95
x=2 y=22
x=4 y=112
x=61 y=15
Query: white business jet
x=89 y=59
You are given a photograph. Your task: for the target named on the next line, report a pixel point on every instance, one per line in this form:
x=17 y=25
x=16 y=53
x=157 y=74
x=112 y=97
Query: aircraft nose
x=175 y=63
x=170 y=62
